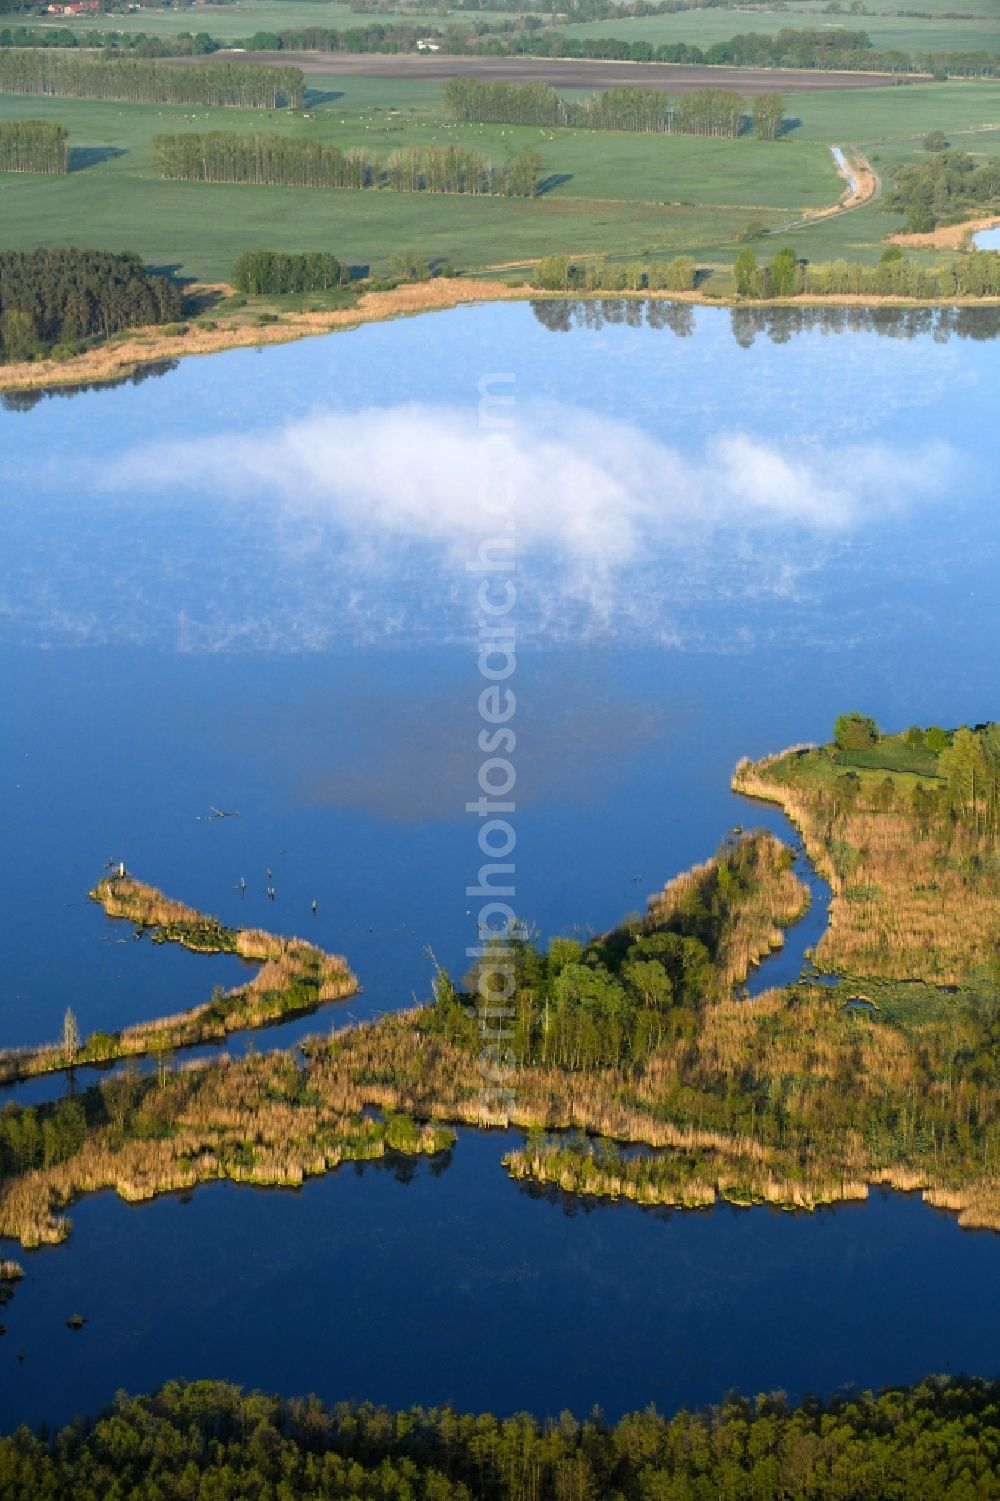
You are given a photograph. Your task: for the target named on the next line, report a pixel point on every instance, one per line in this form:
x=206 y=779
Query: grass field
x=701 y=27
x=622 y=194
x=229 y=22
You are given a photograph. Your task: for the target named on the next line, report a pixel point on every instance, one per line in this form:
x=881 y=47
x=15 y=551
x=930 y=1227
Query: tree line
x=711 y=112
x=803 y=48
x=792 y=47
x=260 y=272
x=935 y=1440
x=33 y=146
x=561 y=273
x=53 y=297
x=242 y=85
x=837 y=50
x=184 y=44
x=227 y=156
x=974 y=274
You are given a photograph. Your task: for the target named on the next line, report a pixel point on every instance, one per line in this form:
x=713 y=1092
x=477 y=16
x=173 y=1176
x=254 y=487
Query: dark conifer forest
x=50 y=297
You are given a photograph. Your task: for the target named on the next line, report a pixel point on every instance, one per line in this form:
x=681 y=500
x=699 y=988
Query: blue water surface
x=244 y=585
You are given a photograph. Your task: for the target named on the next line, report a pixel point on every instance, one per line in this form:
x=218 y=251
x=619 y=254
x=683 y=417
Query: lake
x=245 y=585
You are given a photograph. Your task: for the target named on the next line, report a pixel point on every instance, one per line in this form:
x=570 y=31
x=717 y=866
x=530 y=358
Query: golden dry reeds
x=294 y=976
x=909 y=901
x=259 y=1120
x=755 y=922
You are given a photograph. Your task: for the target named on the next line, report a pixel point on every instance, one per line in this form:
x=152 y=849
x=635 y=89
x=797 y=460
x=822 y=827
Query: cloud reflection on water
x=357 y=525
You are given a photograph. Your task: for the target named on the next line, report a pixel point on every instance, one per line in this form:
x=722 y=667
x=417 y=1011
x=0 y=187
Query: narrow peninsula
x=637 y=1064
x=294 y=977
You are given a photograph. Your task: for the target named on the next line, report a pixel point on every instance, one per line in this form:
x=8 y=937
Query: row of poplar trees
x=33 y=146
x=241 y=85
x=227 y=156
x=709 y=112
x=976 y=274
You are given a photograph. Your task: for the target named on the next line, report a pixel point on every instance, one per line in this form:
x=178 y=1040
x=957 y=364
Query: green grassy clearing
x=907 y=1004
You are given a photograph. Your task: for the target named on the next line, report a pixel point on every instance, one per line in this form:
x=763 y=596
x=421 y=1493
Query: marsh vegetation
x=264 y=1119
x=906 y=828
x=294 y=977
x=642 y=1035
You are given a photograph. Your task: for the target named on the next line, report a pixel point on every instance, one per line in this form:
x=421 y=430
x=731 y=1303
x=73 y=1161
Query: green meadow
x=625 y=195
x=703 y=27
x=968 y=26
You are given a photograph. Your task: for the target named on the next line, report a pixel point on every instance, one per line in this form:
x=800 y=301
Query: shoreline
x=151 y=346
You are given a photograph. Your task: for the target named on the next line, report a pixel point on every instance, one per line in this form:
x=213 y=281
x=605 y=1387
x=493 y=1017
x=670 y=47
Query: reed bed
x=913 y=898
x=784 y=1099
x=263 y=1120
x=675 y=1180
x=294 y=977
x=755 y=924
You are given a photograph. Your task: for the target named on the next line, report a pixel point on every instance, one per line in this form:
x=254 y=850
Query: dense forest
x=936 y=1441
x=227 y=156
x=945 y=188
x=270 y=272
x=711 y=112
x=243 y=85
x=55 y=297
x=33 y=146
x=974 y=274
